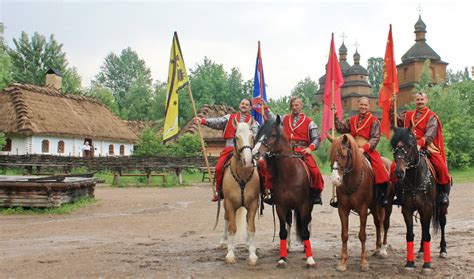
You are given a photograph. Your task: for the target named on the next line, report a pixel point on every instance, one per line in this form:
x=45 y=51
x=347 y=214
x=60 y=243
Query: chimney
x=53 y=79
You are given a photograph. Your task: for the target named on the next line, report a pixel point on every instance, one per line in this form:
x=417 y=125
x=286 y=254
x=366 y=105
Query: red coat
x=363 y=130
x=300 y=131
x=229 y=130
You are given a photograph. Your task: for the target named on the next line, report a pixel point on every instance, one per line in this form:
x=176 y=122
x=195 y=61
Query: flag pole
x=395 y=124
x=213 y=188
x=333 y=109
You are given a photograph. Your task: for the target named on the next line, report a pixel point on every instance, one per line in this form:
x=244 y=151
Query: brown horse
x=290 y=186
x=241 y=188
x=418 y=193
x=354 y=179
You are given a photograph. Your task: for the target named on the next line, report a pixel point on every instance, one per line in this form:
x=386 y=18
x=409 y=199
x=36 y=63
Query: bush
x=151 y=144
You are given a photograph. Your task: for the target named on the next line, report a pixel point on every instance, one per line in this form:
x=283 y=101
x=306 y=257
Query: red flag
x=390 y=85
x=333 y=78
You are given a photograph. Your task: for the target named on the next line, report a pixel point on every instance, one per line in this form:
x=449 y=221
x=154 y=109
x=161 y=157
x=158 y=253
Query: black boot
x=443 y=191
x=333 y=202
x=316 y=196
x=268 y=197
x=381 y=194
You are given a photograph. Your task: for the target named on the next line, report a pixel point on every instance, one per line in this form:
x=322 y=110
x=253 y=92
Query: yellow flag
x=177 y=79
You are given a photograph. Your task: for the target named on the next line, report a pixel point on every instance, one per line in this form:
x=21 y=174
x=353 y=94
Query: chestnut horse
x=241 y=188
x=290 y=186
x=417 y=184
x=354 y=179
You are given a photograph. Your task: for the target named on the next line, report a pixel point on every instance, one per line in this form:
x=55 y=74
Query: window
x=8 y=145
x=122 y=150
x=111 y=149
x=45 y=146
x=61 y=146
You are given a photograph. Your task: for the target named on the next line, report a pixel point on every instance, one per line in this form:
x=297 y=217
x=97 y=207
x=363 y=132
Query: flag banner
x=259 y=100
x=390 y=85
x=333 y=83
x=177 y=79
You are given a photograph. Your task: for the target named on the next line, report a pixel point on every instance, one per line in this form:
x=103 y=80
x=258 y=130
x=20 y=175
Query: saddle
x=430 y=167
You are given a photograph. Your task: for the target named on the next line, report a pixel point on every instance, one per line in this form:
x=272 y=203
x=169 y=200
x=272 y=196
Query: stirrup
x=268 y=199
x=333 y=202
x=444 y=199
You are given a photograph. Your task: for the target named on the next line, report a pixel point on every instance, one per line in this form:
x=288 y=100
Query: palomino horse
x=290 y=186
x=352 y=176
x=418 y=194
x=241 y=188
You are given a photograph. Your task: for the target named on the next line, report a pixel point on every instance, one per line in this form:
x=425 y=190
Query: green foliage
x=186 y=145
x=3 y=140
x=31 y=59
x=375 y=69
x=5 y=67
x=306 y=89
x=454 y=106
x=137 y=100
x=459 y=76
x=105 y=96
x=151 y=144
x=425 y=78
x=121 y=73
x=63 y=209
x=280 y=106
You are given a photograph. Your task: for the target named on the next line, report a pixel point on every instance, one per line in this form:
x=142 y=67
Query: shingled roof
x=38 y=110
x=208 y=111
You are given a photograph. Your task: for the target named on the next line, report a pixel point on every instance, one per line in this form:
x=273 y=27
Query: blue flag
x=259 y=101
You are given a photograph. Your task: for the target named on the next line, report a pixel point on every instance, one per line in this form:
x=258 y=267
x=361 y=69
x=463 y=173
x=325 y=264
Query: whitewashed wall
x=72 y=146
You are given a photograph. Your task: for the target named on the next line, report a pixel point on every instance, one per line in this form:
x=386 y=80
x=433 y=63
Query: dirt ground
x=167 y=233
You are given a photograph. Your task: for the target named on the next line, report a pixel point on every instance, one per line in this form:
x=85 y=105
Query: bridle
x=346 y=169
x=411 y=163
x=241 y=149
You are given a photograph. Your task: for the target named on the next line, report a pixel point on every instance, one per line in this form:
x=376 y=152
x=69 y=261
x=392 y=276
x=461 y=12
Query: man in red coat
x=225 y=123
x=365 y=128
x=304 y=138
x=426 y=126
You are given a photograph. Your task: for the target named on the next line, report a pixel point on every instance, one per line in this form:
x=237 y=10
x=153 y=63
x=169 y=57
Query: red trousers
x=315 y=173
x=225 y=155
x=380 y=173
x=439 y=164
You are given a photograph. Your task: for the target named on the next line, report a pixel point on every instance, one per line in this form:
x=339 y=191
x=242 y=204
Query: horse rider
x=365 y=128
x=304 y=138
x=426 y=126
x=225 y=123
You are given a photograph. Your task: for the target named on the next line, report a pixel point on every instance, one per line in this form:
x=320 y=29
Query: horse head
x=243 y=142
x=268 y=137
x=342 y=153
x=405 y=151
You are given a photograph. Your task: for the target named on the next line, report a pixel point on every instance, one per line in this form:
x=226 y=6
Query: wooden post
x=204 y=152
x=148 y=177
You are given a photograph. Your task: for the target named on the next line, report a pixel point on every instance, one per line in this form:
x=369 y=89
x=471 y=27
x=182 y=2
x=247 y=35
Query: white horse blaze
x=335 y=177
x=244 y=133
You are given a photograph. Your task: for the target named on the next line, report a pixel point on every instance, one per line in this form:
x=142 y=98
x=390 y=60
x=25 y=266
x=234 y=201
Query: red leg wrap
x=426 y=252
x=307 y=248
x=410 y=251
x=283 y=252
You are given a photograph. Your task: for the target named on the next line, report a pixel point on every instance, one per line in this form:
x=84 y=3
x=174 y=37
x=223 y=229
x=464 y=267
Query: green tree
x=158 y=102
x=375 y=67
x=235 y=88
x=425 y=78
x=455 y=77
x=105 y=96
x=31 y=59
x=184 y=146
x=149 y=144
x=209 y=83
x=137 y=101
x=5 y=68
x=119 y=73
x=306 y=89
x=3 y=140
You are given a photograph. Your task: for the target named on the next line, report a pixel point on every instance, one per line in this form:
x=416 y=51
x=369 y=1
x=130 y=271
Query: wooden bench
x=149 y=176
x=205 y=175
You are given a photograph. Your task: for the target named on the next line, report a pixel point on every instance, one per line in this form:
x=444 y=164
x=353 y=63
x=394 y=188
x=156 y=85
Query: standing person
x=86 y=148
x=225 y=123
x=304 y=138
x=365 y=128
x=428 y=131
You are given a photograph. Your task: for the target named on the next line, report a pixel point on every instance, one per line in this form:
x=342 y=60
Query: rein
x=415 y=185
x=241 y=182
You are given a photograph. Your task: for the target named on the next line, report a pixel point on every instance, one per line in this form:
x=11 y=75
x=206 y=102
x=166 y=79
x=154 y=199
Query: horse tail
x=241 y=222
x=299 y=226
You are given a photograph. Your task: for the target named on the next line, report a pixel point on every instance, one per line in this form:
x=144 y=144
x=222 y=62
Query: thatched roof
x=208 y=111
x=38 y=110
x=137 y=126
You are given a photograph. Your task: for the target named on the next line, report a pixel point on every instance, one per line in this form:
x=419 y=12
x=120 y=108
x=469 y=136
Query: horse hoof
x=376 y=253
x=409 y=269
x=410 y=266
x=310 y=262
x=341 y=267
x=281 y=263
x=252 y=261
x=426 y=271
x=443 y=255
x=364 y=268
x=383 y=254
x=230 y=260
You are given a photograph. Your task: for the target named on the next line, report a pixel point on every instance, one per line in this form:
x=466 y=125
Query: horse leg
x=289 y=222
x=364 y=263
x=344 y=217
x=378 y=215
x=282 y=212
x=305 y=218
x=251 y=212
x=386 y=226
x=410 y=236
x=231 y=228
x=443 y=253
x=223 y=241
x=425 y=216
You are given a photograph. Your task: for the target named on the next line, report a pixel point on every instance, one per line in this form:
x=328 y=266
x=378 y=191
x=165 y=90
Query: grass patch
x=463 y=176
x=63 y=209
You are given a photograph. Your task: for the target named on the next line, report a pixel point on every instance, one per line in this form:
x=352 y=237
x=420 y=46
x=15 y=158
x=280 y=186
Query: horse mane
x=404 y=135
x=357 y=156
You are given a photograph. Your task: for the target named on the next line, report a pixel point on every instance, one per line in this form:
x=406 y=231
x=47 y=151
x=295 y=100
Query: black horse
x=290 y=186
x=417 y=188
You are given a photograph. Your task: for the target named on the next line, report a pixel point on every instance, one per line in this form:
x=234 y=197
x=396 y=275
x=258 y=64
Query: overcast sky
x=294 y=35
